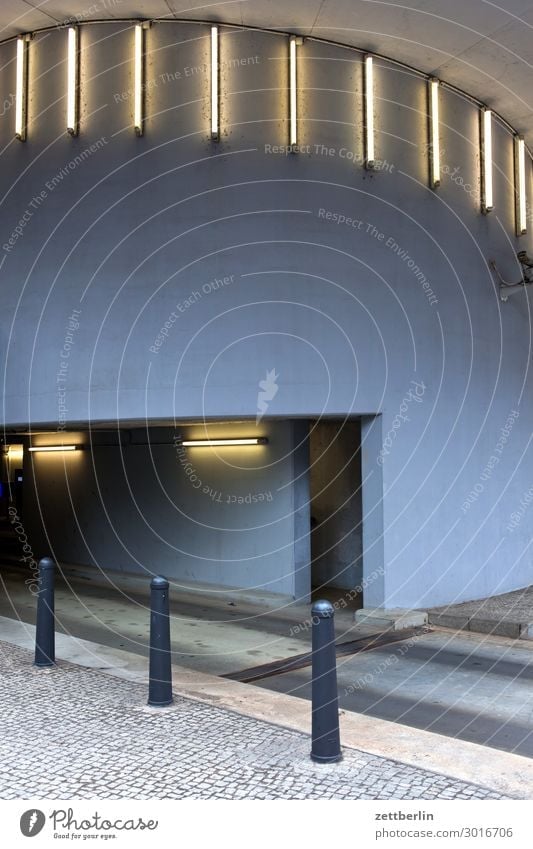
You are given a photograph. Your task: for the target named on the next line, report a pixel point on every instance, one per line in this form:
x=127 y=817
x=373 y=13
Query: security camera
x=508 y=289
x=527 y=266
x=524 y=259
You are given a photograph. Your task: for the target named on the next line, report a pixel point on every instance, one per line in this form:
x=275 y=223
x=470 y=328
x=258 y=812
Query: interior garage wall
x=195 y=268
x=197 y=515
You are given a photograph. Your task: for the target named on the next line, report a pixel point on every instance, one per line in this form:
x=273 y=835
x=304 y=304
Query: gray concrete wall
x=141 y=227
x=221 y=516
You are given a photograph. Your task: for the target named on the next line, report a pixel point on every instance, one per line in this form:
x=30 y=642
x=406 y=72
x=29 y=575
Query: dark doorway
x=336 y=506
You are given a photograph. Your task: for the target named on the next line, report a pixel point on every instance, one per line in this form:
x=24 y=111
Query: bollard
x=326 y=746
x=160 y=686
x=45 y=648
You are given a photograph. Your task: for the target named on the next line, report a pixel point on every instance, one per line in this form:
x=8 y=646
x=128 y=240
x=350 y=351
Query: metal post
x=45 y=653
x=160 y=687
x=326 y=746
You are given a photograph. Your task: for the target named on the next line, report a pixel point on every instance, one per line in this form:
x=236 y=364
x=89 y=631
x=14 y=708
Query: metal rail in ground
x=300 y=661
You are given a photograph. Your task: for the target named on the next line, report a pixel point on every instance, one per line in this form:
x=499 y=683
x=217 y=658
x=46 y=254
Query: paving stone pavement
x=71 y=732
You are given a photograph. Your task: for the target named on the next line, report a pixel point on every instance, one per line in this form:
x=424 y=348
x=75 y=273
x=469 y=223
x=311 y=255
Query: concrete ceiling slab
x=18 y=16
x=482 y=46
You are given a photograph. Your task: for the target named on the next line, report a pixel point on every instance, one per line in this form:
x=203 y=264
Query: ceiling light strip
x=47 y=448
x=369 y=112
x=138 y=79
x=72 y=80
x=293 y=91
x=434 y=133
x=21 y=91
x=215 y=84
x=207 y=443
x=520 y=186
x=487 y=191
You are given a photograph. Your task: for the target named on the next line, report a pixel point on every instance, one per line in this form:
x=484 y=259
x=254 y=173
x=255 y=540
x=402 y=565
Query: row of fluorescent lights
x=487 y=186
x=73 y=65
x=21 y=94
x=191 y=443
x=487 y=193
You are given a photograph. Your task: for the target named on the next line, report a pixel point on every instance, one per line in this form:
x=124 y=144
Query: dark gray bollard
x=45 y=637
x=160 y=687
x=326 y=745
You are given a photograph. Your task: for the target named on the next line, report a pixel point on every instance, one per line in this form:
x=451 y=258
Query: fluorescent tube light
x=369 y=112
x=54 y=448
x=434 y=133
x=139 y=79
x=487 y=198
x=215 y=128
x=72 y=81
x=206 y=443
x=520 y=188
x=21 y=94
x=293 y=92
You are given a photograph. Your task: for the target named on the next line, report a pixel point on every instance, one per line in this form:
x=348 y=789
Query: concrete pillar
x=301 y=511
x=373 y=546
x=377 y=610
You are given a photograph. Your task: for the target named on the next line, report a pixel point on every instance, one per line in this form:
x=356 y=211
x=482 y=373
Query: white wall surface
x=142 y=224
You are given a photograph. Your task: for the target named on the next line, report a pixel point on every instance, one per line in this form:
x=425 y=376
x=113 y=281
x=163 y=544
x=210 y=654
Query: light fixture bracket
x=507 y=289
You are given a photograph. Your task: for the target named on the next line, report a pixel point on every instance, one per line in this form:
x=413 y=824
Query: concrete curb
x=476 y=624
x=395 y=618
x=509 y=774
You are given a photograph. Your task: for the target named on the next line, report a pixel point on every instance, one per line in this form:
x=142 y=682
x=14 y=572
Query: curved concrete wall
x=175 y=272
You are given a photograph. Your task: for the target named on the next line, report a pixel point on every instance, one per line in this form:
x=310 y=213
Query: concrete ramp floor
x=472 y=687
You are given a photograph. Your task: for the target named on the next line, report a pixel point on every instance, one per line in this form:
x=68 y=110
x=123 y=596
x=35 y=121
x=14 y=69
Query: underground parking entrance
x=248 y=520
x=262 y=514
x=270 y=508
x=104 y=512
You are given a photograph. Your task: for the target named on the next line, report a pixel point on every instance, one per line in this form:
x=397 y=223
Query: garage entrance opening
x=336 y=507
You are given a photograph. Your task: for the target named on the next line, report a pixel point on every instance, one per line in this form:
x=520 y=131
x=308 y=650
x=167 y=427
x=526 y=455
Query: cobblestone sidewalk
x=70 y=732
